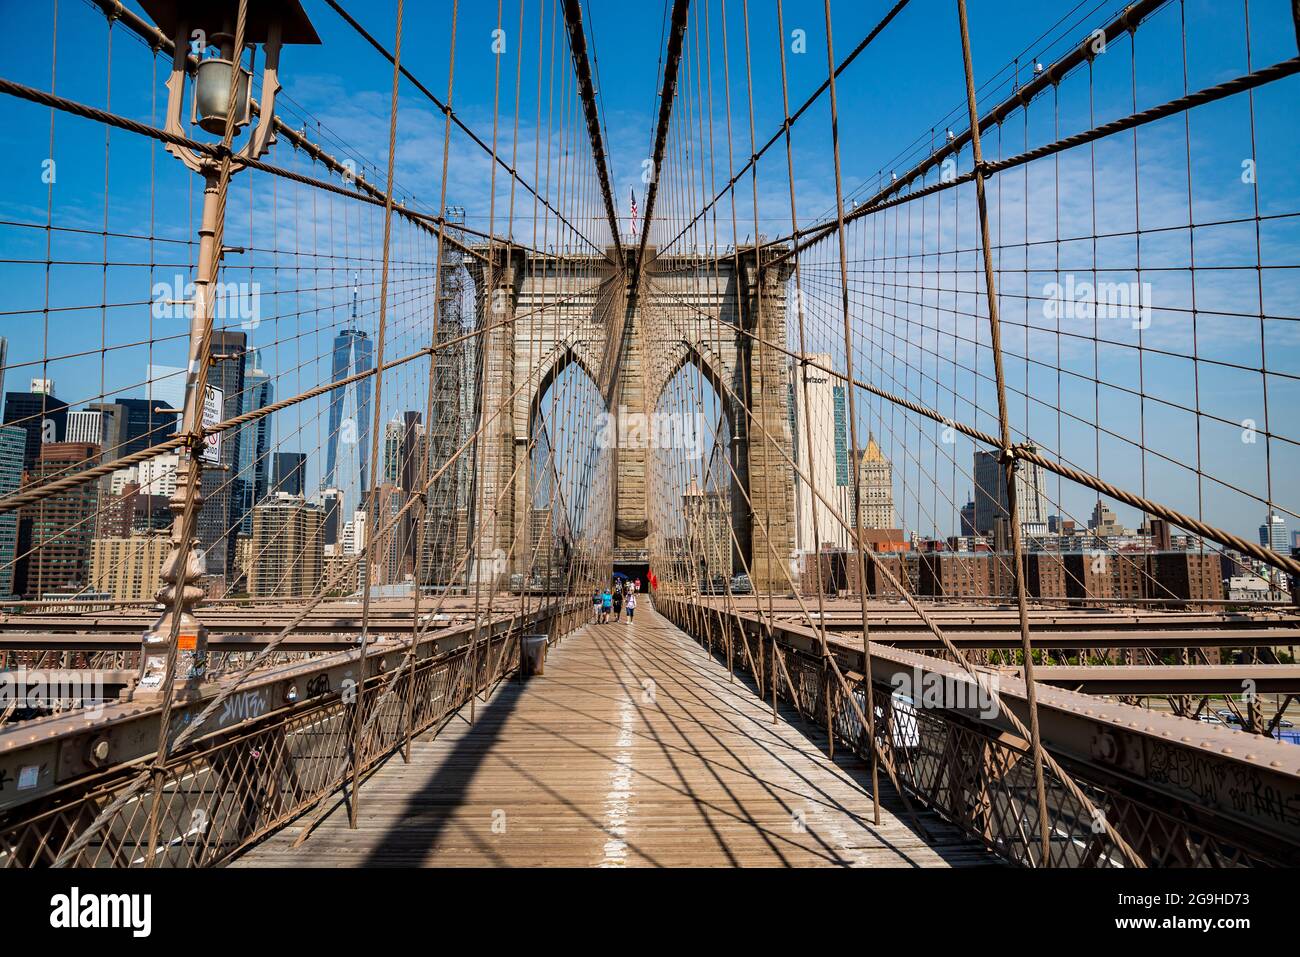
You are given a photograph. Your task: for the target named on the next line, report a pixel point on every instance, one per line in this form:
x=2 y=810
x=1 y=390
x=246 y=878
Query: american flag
x=633 y=194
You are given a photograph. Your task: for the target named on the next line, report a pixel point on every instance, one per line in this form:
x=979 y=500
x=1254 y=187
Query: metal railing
x=979 y=777
x=237 y=786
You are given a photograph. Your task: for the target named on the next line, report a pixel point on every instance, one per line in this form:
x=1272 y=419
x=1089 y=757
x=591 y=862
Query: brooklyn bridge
x=717 y=433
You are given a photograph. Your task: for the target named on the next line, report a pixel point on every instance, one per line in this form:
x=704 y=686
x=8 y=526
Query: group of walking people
x=608 y=604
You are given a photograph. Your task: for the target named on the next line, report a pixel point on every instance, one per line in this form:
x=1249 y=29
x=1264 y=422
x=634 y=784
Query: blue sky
x=895 y=101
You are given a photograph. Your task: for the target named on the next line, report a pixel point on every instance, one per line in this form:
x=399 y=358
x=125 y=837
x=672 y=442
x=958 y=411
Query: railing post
x=176 y=629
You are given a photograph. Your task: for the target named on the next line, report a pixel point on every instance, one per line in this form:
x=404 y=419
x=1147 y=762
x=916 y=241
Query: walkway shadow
x=429 y=809
x=946 y=840
x=414 y=838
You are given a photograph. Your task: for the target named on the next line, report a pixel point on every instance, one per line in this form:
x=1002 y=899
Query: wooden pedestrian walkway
x=635 y=748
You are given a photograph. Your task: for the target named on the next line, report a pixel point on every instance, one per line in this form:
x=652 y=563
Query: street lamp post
x=199 y=26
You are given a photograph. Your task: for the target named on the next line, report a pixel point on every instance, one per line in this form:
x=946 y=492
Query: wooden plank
x=635 y=748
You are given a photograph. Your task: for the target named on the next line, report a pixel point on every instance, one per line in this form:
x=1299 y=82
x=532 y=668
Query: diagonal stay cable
x=188 y=731
x=451 y=115
x=793 y=118
x=57 y=487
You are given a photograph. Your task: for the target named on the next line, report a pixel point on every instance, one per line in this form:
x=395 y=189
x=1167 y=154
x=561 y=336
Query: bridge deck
x=633 y=749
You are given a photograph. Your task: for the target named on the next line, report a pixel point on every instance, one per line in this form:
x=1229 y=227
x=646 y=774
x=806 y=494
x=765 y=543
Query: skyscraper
x=43 y=417
x=113 y=427
x=390 y=564
x=220 y=515
x=823 y=420
x=991 y=493
x=354 y=533
x=1273 y=534
x=968 y=518
x=841 y=436
x=61 y=527
x=86 y=426
x=352 y=356
x=131 y=425
x=392 y=454
x=1104 y=523
x=128 y=568
x=288 y=473
x=253 y=480
x=126 y=510
x=287 y=551
x=404 y=444
x=332 y=504
x=166 y=387
x=876 y=485
x=13 y=440
x=157 y=476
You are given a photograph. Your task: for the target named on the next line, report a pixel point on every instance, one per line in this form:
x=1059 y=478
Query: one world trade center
x=353 y=354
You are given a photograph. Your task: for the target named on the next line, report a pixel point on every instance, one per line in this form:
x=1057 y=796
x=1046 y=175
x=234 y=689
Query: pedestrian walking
x=606 y=605
x=631 y=606
x=618 y=603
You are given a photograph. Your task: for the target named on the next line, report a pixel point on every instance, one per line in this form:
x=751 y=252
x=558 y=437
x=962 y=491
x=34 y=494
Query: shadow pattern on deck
x=636 y=748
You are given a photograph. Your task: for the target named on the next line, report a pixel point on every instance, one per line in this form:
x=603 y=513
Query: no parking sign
x=213 y=402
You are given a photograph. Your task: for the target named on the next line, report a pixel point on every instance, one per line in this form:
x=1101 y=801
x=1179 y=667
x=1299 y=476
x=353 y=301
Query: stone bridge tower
x=715 y=314
x=544 y=313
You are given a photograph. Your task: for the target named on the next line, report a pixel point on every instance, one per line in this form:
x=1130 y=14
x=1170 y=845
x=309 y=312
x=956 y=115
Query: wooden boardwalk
x=635 y=748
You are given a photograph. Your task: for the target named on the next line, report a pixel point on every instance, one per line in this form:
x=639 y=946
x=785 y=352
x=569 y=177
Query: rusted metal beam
x=66 y=748
x=32 y=686
x=340 y=635
x=1248 y=785
x=887 y=616
x=328 y=618
x=1170 y=679
x=256 y=640
x=1077 y=640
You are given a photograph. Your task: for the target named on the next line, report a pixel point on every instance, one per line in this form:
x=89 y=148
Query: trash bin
x=532 y=655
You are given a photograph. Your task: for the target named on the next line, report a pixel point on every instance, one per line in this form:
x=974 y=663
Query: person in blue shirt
x=606 y=605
